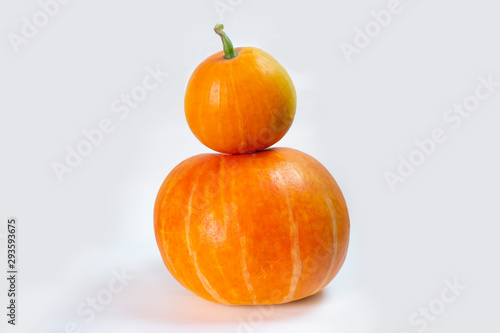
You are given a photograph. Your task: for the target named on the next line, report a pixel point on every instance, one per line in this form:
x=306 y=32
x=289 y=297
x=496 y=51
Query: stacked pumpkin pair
x=251 y=225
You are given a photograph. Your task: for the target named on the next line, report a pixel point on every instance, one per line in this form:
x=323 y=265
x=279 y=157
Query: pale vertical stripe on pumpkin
x=200 y=110
x=238 y=111
x=294 y=237
x=163 y=202
x=169 y=261
x=333 y=264
x=242 y=239
x=244 y=268
x=215 y=92
x=226 y=220
x=208 y=287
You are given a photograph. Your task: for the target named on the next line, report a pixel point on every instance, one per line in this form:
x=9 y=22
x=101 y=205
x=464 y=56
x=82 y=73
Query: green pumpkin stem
x=226 y=42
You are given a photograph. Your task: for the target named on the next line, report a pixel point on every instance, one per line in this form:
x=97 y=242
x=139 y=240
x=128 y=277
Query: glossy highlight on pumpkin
x=264 y=228
x=239 y=100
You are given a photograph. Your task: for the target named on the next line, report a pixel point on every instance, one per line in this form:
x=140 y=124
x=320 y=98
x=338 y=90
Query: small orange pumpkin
x=264 y=228
x=239 y=100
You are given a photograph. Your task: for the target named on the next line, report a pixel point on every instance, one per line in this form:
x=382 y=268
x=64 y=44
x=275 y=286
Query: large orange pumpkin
x=239 y=100
x=263 y=228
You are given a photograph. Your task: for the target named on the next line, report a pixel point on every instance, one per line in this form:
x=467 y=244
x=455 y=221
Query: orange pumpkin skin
x=264 y=228
x=240 y=105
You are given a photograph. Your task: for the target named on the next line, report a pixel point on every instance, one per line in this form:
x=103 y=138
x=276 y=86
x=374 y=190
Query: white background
x=356 y=118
